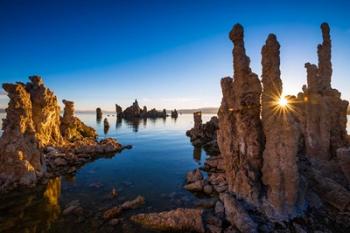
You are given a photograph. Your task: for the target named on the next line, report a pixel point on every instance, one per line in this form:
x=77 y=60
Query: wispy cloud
x=3 y=93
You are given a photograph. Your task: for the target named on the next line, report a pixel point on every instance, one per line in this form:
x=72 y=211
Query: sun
x=283 y=102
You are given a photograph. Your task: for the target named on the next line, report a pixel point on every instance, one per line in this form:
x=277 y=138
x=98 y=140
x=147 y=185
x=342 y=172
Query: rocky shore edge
x=38 y=143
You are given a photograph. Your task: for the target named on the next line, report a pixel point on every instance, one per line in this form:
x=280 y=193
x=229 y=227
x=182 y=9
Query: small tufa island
x=38 y=144
x=283 y=163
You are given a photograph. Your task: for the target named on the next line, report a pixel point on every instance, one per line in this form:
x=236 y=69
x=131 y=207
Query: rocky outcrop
x=37 y=143
x=72 y=128
x=174 y=114
x=21 y=160
x=204 y=135
x=325 y=113
x=134 y=112
x=240 y=136
x=285 y=188
x=186 y=220
x=118 y=110
x=286 y=162
x=98 y=114
x=343 y=157
x=45 y=112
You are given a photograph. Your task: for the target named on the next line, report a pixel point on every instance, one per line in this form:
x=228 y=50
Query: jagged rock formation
x=21 y=160
x=34 y=134
x=325 y=113
x=204 y=134
x=174 y=114
x=98 y=114
x=71 y=127
x=293 y=163
x=118 y=110
x=134 y=111
x=240 y=134
x=285 y=189
x=45 y=112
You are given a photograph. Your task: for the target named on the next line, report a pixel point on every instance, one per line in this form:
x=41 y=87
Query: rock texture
x=283 y=166
x=21 y=160
x=204 y=135
x=45 y=112
x=325 y=113
x=72 y=128
x=280 y=171
x=186 y=220
x=240 y=136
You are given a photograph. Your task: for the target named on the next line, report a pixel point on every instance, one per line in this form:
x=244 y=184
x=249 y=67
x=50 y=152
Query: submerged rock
x=175 y=220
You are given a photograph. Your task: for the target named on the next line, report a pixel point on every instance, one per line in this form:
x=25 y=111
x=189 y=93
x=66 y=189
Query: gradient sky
x=167 y=54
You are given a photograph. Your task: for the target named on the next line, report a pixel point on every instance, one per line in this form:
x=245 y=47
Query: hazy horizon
x=166 y=54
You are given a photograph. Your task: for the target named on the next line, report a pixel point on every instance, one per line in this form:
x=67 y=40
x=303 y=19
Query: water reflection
x=197 y=153
x=33 y=212
x=118 y=122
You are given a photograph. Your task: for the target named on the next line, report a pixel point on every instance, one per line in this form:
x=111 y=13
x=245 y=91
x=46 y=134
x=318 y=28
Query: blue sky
x=167 y=54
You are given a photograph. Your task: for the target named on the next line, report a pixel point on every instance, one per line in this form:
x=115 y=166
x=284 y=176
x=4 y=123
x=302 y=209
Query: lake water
x=155 y=168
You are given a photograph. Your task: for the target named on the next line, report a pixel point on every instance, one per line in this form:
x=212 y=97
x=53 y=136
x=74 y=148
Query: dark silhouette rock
x=105 y=125
x=119 y=111
x=174 y=114
x=98 y=114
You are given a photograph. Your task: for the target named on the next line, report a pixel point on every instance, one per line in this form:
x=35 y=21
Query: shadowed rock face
x=45 y=112
x=98 y=113
x=21 y=160
x=240 y=131
x=325 y=113
x=280 y=171
x=118 y=110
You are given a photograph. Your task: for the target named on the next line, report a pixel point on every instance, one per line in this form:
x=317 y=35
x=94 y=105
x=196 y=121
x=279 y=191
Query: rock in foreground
x=185 y=220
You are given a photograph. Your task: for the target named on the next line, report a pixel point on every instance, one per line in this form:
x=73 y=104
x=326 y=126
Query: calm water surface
x=155 y=168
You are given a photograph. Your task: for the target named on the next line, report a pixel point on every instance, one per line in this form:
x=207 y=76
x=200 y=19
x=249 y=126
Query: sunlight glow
x=283 y=102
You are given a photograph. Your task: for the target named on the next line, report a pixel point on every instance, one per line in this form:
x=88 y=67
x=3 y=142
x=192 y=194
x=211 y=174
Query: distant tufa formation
x=134 y=111
x=276 y=162
x=33 y=126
